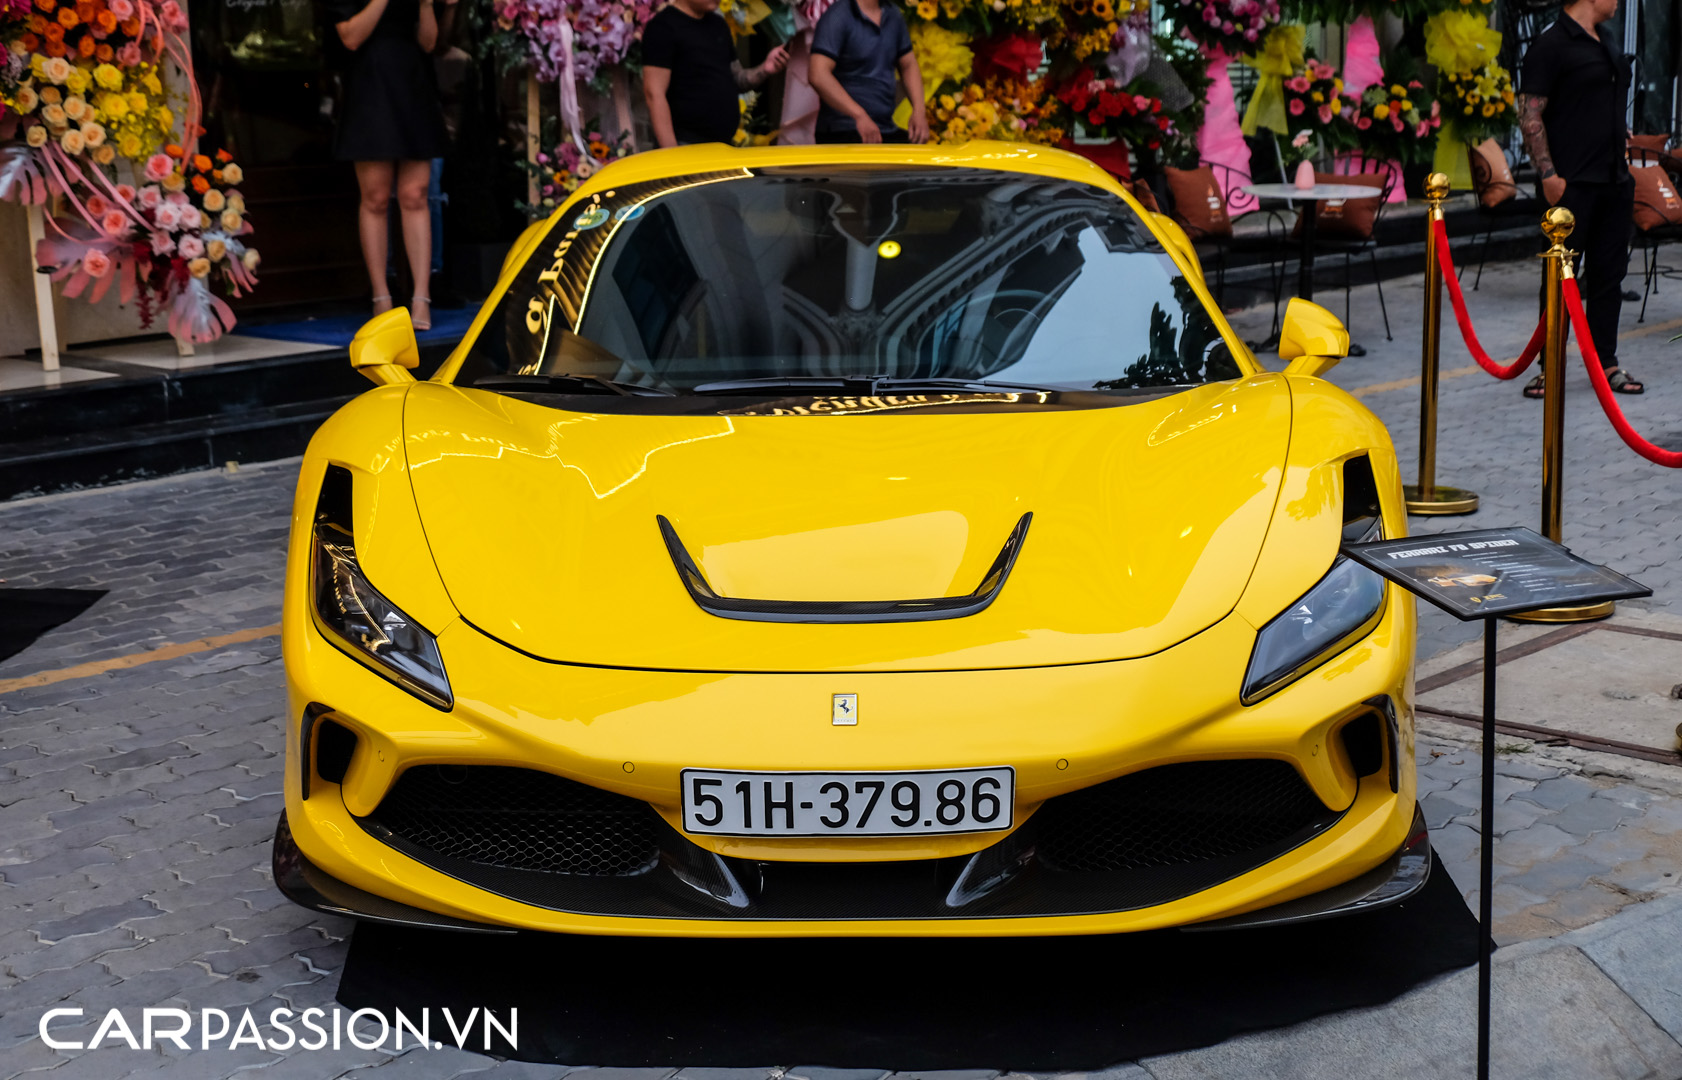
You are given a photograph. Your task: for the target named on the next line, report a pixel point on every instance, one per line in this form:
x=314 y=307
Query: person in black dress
x=392 y=126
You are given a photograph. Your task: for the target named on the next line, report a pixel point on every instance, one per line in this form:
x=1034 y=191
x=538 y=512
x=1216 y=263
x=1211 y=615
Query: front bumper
x=1063 y=729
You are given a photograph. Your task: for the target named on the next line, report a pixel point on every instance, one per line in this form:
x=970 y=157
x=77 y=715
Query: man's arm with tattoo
x=1530 y=108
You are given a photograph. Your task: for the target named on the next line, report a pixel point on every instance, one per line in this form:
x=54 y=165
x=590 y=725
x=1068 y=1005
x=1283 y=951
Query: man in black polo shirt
x=690 y=74
x=857 y=48
x=1574 y=87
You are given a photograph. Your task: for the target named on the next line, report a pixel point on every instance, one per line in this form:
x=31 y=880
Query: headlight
x=1340 y=609
x=370 y=627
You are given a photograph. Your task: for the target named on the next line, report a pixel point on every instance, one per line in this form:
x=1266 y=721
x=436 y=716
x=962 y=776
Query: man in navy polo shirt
x=857 y=48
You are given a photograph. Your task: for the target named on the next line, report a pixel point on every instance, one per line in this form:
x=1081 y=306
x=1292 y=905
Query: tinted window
x=802 y=272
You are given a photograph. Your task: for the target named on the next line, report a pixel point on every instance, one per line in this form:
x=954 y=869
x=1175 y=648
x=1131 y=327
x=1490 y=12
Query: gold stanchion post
x=1426 y=497
x=1557 y=224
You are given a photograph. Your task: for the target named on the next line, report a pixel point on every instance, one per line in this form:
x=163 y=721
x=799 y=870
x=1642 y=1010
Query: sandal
x=1533 y=388
x=382 y=304
x=1623 y=383
x=421 y=322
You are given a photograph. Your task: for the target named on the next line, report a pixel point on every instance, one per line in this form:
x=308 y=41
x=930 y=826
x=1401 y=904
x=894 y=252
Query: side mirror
x=384 y=349
x=1176 y=238
x=1312 y=339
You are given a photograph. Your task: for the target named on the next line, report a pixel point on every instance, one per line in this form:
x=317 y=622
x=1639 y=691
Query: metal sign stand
x=1487 y=574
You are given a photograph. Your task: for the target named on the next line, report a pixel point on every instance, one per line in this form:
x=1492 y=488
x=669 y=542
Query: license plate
x=728 y=803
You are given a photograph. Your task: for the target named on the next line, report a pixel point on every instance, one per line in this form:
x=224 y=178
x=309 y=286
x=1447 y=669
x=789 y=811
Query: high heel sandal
x=378 y=300
x=421 y=323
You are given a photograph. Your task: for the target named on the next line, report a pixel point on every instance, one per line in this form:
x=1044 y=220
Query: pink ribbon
x=1221 y=141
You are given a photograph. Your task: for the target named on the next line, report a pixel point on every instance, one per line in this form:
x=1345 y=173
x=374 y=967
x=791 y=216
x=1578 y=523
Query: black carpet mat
x=26 y=614
x=1024 y=1004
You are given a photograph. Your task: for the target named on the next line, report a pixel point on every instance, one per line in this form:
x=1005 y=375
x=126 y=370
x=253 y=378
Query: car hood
x=1147 y=521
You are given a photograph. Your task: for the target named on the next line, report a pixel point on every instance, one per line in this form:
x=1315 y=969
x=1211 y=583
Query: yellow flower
x=37 y=136
x=1467 y=110
x=77 y=81
x=151 y=83
x=236 y=202
x=232 y=222
x=199 y=267
x=1381 y=112
x=129 y=145
x=214 y=201
x=114 y=106
x=108 y=76
x=215 y=250
x=1398 y=90
x=93 y=135
x=105 y=155
x=54 y=115
x=232 y=173
x=164 y=117
x=136 y=101
x=1407 y=105
x=251 y=259
x=27 y=99
x=1489 y=110
x=71 y=141
x=174 y=182
x=927 y=9
x=1103 y=9
x=1318 y=98
x=51 y=95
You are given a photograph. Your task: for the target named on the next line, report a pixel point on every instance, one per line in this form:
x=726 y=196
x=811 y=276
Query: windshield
x=859 y=272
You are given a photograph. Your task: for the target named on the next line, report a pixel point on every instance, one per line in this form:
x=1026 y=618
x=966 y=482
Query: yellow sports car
x=848 y=541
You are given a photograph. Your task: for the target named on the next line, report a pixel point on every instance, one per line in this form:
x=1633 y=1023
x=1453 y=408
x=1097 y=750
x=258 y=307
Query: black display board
x=1490 y=572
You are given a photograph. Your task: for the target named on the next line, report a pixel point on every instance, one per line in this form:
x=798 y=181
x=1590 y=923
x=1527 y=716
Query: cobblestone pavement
x=136 y=805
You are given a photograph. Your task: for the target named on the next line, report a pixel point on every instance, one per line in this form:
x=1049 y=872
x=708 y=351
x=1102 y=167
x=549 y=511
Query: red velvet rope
x=1464 y=318
x=1670 y=459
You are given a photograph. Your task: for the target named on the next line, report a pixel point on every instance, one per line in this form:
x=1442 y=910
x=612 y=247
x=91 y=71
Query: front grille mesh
x=1176 y=814
x=521 y=819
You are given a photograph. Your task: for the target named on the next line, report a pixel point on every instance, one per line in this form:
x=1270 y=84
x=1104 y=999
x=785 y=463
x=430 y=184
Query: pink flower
x=125 y=192
x=115 y=222
x=122 y=9
x=179 y=198
x=172 y=15
x=1364 y=123
x=1299 y=84
x=1226 y=27
x=158 y=166
x=1250 y=34
x=96 y=263
x=129 y=55
x=1296 y=107
x=150 y=196
x=1397 y=122
x=1141 y=102
x=162 y=244
x=1415 y=84
x=1325 y=114
x=97 y=205
x=1436 y=109
x=168 y=216
x=1423 y=129
x=190 y=247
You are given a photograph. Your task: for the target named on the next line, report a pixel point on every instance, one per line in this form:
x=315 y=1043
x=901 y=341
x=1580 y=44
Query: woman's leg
x=374 y=180
x=413 y=179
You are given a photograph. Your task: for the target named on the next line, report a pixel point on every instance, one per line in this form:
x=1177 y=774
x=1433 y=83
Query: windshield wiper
x=857 y=385
x=565 y=384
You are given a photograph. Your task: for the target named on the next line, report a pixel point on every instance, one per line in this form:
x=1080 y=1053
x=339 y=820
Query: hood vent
x=844 y=611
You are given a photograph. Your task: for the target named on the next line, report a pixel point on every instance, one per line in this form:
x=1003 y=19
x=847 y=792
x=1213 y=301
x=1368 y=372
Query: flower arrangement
x=1343 y=12
x=1015 y=110
x=80 y=88
x=163 y=244
x=1397 y=122
x=1103 y=107
x=567 y=164
x=1231 y=25
x=1481 y=102
x=584 y=36
x=1314 y=101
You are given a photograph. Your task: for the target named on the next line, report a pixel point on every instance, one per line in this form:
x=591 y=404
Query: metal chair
x=1651 y=237
x=1517 y=206
x=1349 y=247
x=1239 y=206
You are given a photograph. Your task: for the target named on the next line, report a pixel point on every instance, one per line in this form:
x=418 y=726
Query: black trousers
x=1602 y=235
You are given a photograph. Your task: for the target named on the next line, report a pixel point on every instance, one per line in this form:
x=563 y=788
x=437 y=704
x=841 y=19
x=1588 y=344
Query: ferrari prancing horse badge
x=846 y=710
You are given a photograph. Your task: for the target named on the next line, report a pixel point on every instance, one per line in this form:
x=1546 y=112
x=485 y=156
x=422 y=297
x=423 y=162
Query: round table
x=1313 y=197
